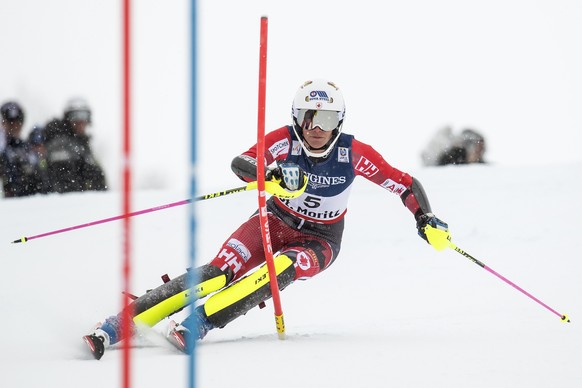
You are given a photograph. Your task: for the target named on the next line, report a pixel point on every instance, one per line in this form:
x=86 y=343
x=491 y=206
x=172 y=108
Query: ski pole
x=441 y=239
x=249 y=186
x=563 y=317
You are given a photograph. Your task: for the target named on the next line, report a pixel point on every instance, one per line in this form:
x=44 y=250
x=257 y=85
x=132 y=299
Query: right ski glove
x=433 y=231
x=288 y=175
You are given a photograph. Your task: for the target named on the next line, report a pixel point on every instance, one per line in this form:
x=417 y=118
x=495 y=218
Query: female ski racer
x=312 y=166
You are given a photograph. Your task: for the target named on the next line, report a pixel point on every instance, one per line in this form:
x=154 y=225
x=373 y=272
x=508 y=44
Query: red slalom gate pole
x=126 y=318
x=279 y=321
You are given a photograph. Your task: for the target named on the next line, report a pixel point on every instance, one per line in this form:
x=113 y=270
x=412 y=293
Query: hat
x=77 y=109
x=36 y=135
x=11 y=111
x=470 y=136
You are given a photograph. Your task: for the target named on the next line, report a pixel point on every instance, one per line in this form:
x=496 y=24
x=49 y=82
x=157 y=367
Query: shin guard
x=236 y=300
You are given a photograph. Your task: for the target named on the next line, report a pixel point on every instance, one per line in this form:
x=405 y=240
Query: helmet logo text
x=318 y=95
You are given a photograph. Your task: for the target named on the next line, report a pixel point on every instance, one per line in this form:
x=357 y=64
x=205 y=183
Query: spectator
x=20 y=176
x=474 y=145
x=37 y=154
x=70 y=160
x=447 y=148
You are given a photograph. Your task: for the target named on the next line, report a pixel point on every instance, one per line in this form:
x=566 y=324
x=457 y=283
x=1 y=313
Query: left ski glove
x=434 y=231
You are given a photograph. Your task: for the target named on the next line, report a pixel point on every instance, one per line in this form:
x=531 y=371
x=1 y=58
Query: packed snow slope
x=390 y=312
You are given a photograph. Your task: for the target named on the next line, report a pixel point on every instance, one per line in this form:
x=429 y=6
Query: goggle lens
x=326 y=120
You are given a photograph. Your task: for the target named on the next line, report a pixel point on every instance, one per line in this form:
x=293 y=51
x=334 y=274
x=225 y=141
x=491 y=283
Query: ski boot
x=97 y=342
x=181 y=337
x=104 y=335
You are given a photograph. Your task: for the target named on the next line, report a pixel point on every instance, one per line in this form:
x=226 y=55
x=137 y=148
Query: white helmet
x=318 y=103
x=77 y=109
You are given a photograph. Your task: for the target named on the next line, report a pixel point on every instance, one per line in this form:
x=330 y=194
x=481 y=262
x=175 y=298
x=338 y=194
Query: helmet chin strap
x=316 y=149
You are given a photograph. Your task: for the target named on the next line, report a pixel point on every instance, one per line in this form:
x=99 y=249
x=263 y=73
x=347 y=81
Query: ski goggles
x=79 y=115
x=326 y=120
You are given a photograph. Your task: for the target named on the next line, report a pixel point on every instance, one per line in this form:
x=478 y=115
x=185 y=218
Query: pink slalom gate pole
x=563 y=317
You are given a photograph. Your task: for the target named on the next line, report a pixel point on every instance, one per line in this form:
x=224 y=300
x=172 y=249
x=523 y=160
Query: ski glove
x=289 y=175
x=433 y=231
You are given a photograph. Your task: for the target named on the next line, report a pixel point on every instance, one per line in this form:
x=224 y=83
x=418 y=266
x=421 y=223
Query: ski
x=96 y=345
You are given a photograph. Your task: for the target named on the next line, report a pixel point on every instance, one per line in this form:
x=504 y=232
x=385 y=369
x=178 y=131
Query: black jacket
x=20 y=175
x=70 y=161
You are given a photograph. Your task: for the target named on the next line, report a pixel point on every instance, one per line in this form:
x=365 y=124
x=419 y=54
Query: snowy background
x=413 y=317
x=508 y=68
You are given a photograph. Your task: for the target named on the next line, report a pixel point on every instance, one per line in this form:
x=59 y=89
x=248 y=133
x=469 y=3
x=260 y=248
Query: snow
x=391 y=311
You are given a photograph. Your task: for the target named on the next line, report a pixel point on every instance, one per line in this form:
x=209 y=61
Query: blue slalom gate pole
x=193 y=169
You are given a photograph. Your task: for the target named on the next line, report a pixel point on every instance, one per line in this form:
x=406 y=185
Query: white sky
x=507 y=68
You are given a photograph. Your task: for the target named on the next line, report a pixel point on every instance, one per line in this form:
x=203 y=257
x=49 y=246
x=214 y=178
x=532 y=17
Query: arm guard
x=245 y=167
x=415 y=199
